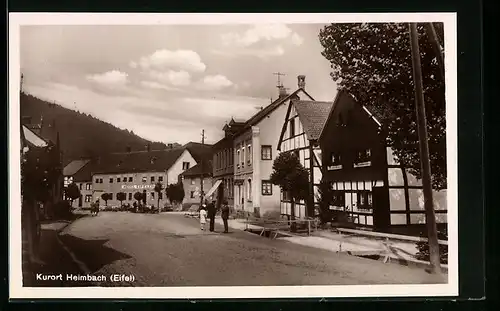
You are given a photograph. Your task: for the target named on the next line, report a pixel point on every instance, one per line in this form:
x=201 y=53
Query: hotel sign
x=138 y=187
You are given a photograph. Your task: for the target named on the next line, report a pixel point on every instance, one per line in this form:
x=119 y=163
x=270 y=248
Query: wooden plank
x=388 y=235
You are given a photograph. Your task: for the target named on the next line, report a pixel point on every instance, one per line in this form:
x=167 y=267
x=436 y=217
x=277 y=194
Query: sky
x=168 y=82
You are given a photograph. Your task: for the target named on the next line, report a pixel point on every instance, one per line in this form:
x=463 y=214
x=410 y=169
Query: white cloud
x=110 y=78
x=180 y=59
x=263 y=53
x=170 y=77
x=157 y=86
x=261 y=32
x=215 y=83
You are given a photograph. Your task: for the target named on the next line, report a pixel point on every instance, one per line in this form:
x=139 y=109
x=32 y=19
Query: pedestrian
x=203 y=218
x=211 y=214
x=225 y=215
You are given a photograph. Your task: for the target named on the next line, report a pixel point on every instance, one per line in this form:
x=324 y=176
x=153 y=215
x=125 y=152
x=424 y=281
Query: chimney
x=301 y=82
x=282 y=92
x=170 y=146
x=128 y=149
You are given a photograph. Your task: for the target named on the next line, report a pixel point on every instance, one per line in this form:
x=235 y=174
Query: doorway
x=381 y=209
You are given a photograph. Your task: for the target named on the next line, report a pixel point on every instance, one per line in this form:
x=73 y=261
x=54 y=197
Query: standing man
x=225 y=215
x=211 y=214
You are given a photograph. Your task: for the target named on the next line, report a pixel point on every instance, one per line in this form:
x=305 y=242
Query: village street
x=170 y=250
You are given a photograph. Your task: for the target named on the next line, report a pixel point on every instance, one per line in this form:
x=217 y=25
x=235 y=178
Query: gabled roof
x=270 y=108
x=74 y=166
x=200 y=152
x=85 y=173
x=32 y=138
x=374 y=115
x=198 y=169
x=313 y=116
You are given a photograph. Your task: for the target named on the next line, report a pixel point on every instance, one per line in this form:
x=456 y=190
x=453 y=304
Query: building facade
x=255 y=149
x=191 y=181
x=128 y=172
x=85 y=185
x=367 y=182
x=299 y=135
x=223 y=161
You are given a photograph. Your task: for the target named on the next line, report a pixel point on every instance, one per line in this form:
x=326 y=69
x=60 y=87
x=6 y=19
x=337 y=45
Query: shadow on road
x=93 y=252
x=54 y=260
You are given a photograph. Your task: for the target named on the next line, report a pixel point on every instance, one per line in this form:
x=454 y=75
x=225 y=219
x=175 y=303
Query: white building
x=255 y=149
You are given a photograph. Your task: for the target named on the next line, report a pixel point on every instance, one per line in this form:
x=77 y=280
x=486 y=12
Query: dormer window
x=153 y=160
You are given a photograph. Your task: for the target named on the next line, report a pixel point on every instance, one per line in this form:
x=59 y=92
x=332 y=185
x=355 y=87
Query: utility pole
x=430 y=218
x=201 y=187
x=438 y=48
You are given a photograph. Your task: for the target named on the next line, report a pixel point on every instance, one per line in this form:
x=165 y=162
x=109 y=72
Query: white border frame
x=15 y=271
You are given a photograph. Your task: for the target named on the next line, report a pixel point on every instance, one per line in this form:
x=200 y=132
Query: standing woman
x=225 y=216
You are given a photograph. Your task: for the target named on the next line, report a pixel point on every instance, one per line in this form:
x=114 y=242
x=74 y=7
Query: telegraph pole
x=438 y=48
x=201 y=187
x=430 y=218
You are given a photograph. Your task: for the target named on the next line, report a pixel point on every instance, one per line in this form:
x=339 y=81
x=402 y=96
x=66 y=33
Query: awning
x=212 y=190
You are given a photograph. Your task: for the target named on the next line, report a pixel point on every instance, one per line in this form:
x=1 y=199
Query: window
x=97 y=180
x=111 y=180
x=286 y=196
x=192 y=194
x=335 y=159
x=152 y=179
x=110 y=196
x=88 y=198
x=364 y=200
x=130 y=179
x=266 y=152
x=249 y=149
x=338 y=198
x=363 y=158
x=185 y=165
x=152 y=195
x=144 y=179
x=160 y=178
x=267 y=187
x=130 y=196
x=88 y=186
x=81 y=186
x=160 y=194
x=118 y=179
x=238 y=158
x=292 y=128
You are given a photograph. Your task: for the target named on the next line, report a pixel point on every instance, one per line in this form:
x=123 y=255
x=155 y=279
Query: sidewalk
x=53 y=258
x=399 y=252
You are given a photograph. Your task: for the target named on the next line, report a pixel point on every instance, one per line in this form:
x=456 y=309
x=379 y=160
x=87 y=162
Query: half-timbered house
x=304 y=122
x=368 y=183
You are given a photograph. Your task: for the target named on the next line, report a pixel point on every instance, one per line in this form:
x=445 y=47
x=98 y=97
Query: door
x=381 y=209
x=80 y=201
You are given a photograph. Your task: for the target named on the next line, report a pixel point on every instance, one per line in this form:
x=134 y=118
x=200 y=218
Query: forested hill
x=80 y=134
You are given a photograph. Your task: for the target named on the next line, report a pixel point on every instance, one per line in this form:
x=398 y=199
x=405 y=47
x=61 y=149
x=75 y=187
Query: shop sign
x=138 y=187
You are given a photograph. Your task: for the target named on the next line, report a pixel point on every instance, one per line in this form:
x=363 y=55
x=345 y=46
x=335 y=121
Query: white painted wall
x=176 y=168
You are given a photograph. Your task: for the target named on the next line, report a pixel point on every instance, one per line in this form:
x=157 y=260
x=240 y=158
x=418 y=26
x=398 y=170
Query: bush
x=423 y=248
